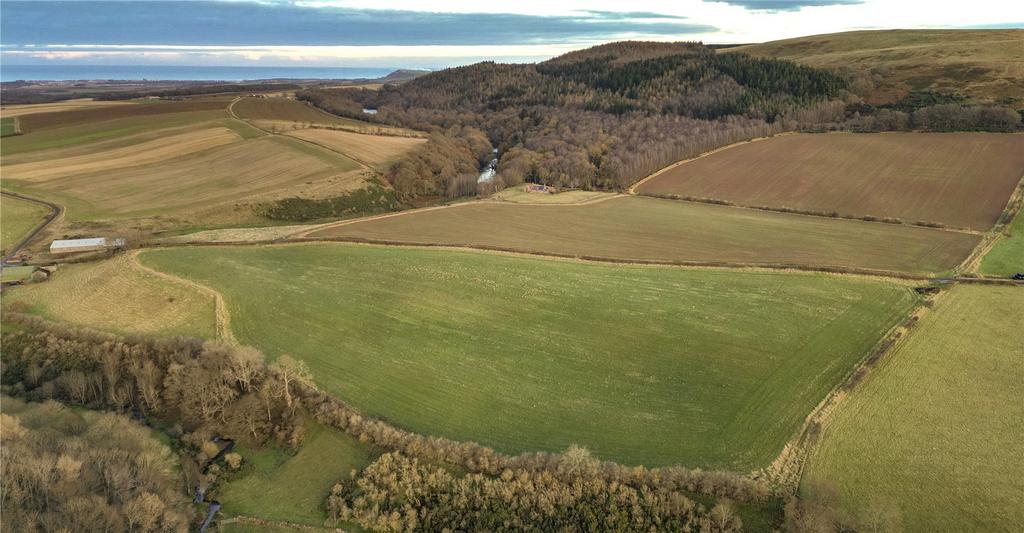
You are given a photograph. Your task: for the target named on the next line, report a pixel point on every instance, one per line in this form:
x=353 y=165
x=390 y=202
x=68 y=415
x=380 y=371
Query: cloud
x=786 y=5
x=275 y=23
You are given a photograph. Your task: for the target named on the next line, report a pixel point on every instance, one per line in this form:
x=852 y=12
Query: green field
x=17 y=218
x=292 y=488
x=1006 y=258
x=643 y=365
x=637 y=228
x=937 y=431
x=7 y=126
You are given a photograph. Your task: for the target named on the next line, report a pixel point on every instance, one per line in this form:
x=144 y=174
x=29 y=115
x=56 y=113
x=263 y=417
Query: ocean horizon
x=183 y=72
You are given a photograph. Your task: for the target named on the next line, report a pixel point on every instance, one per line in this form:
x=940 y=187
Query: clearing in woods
x=279 y=486
x=638 y=229
x=117 y=296
x=936 y=432
x=643 y=365
x=17 y=218
x=986 y=65
x=910 y=176
x=376 y=150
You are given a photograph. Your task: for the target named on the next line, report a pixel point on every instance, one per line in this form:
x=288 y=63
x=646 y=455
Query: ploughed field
x=933 y=438
x=649 y=229
x=960 y=180
x=641 y=364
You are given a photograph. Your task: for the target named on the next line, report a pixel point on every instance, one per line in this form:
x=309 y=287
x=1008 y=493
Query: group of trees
x=204 y=388
x=598 y=118
x=930 y=111
x=64 y=471
x=399 y=493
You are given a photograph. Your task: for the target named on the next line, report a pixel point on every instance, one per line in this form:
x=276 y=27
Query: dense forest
x=70 y=471
x=597 y=118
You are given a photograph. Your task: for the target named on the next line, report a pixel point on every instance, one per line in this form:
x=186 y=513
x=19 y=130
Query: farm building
x=70 y=246
x=535 y=187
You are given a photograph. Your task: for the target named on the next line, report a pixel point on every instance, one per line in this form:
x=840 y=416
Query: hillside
x=985 y=65
x=602 y=117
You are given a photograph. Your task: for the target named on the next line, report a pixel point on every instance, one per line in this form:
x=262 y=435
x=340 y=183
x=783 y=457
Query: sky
x=408 y=34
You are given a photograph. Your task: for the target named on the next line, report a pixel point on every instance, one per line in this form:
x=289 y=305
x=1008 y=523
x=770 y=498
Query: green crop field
x=937 y=430
x=1006 y=258
x=7 y=126
x=634 y=228
x=910 y=176
x=17 y=219
x=644 y=365
x=292 y=488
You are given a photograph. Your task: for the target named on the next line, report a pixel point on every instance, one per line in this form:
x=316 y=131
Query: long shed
x=70 y=246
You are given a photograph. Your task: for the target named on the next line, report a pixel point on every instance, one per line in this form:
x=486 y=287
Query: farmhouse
x=71 y=246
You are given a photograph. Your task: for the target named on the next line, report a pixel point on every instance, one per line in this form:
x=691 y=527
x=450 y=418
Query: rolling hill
x=985 y=65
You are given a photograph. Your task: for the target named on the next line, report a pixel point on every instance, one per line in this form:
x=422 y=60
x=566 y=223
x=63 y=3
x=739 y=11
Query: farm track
x=364 y=164
x=223 y=316
x=56 y=212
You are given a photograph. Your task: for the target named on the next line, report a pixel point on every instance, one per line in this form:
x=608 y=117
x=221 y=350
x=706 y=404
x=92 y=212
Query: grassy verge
x=643 y=365
x=931 y=441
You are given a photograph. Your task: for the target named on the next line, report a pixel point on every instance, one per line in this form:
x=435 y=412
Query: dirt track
x=56 y=212
x=224 y=332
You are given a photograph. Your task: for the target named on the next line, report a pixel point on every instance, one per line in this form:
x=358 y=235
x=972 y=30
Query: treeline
x=207 y=388
x=203 y=388
x=64 y=471
x=930 y=111
x=369 y=200
x=598 y=118
x=398 y=493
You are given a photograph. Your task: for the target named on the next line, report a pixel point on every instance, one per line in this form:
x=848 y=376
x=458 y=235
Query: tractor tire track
x=223 y=316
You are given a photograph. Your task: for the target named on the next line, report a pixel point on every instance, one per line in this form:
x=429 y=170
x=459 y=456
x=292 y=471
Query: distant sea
x=180 y=73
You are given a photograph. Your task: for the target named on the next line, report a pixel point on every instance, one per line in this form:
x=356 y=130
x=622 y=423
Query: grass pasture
x=1006 y=258
x=519 y=196
x=8 y=126
x=117 y=296
x=986 y=65
x=293 y=488
x=910 y=176
x=644 y=365
x=636 y=228
x=937 y=430
x=17 y=218
x=375 y=150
